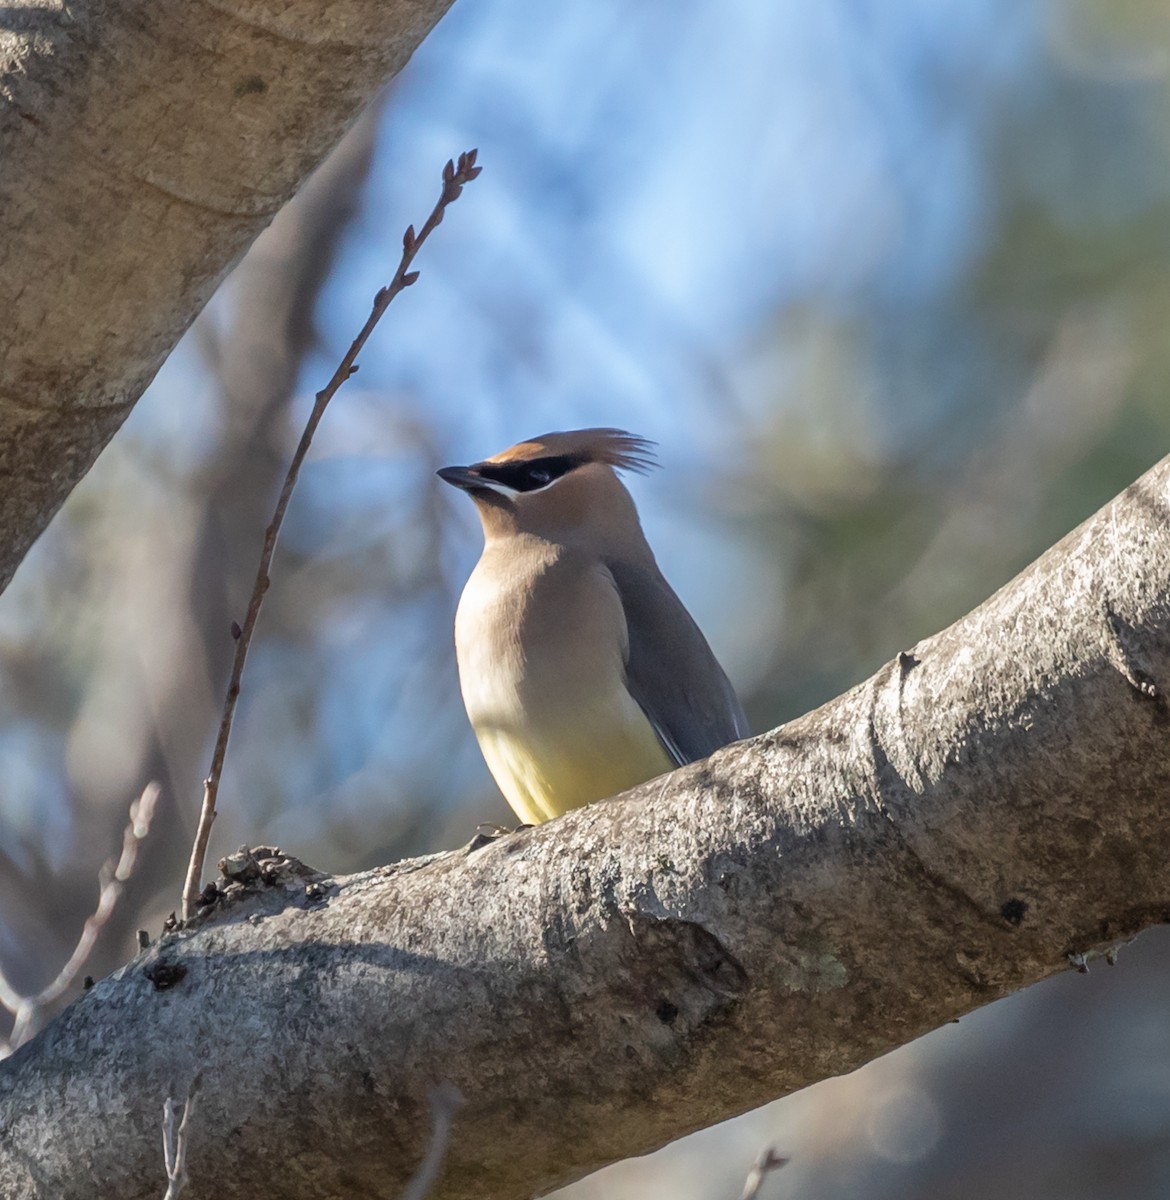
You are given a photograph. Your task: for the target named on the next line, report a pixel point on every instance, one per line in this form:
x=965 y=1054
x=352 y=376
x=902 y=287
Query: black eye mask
x=530 y=475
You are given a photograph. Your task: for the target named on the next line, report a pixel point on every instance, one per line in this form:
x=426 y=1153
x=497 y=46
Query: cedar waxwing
x=581 y=671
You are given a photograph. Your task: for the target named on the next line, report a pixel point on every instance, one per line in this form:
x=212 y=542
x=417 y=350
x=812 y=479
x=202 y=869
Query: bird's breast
x=538 y=632
x=541 y=642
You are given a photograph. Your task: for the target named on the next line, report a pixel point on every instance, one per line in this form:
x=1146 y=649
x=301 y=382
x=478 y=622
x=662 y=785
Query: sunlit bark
x=145 y=144
x=988 y=809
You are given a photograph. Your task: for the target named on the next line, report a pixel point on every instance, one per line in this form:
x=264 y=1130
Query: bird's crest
x=614 y=447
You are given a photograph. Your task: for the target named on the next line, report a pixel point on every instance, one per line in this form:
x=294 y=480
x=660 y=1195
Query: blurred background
x=889 y=283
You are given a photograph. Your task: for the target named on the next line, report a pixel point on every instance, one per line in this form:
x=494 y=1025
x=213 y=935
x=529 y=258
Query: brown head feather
x=613 y=447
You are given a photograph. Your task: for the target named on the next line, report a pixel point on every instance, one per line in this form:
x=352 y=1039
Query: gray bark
x=985 y=811
x=145 y=144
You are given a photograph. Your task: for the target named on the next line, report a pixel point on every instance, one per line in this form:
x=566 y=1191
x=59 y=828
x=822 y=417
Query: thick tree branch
x=986 y=808
x=145 y=144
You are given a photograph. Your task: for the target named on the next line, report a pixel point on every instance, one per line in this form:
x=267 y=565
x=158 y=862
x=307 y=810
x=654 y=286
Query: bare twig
x=175 y=1142
x=29 y=1010
x=455 y=176
x=768 y=1162
x=446 y=1101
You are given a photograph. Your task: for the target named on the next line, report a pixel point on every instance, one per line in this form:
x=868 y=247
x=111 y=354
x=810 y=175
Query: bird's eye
x=527 y=476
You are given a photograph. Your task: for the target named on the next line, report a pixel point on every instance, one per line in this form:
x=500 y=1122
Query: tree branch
x=445 y=1103
x=175 y=1143
x=29 y=1011
x=145 y=145
x=986 y=808
x=767 y=1162
x=455 y=178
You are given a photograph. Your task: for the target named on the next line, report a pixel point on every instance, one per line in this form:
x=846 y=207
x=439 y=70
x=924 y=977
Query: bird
x=582 y=672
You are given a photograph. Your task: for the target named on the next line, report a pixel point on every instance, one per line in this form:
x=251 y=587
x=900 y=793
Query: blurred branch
x=178 y=591
x=455 y=177
x=175 y=1142
x=28 y=1011
x=446 y=1101
x=987 y=809
x=204 y=131
x=768 y=1162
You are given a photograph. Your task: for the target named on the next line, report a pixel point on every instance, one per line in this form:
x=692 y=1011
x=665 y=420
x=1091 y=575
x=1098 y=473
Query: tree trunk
x=985 y=811
x=145 y=144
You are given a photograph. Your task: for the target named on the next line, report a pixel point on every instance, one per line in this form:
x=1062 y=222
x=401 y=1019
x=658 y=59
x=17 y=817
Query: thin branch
x=446 y=1101
x=10 y=998
x=175 y=1142
x=455 y=176
x=113 y=876
x=768 y=1162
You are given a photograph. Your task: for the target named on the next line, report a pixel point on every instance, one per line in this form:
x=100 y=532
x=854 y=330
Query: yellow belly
x=541 y=641
x=545 y=772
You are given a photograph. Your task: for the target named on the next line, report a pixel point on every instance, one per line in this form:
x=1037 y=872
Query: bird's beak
x=461 y=477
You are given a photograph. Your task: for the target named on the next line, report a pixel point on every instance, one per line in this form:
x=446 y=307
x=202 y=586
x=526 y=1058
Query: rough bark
x=983 y=812
x=145 y=144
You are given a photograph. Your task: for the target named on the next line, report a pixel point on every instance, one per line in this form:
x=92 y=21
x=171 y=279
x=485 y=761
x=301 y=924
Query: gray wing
x=671 y=671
